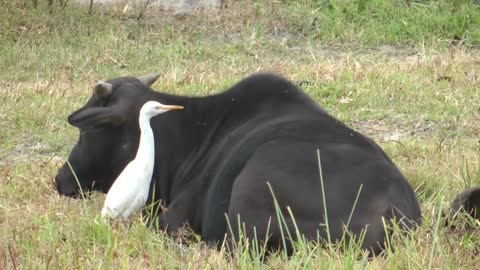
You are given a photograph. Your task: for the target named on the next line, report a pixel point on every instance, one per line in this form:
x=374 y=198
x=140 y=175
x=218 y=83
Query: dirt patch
x=394 y=130
x=29 y=150
x=175 y=6
x=390 y=130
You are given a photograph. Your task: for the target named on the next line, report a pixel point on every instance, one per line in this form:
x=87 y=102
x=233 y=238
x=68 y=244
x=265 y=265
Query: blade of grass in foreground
x=325 y=213
x=77 y=181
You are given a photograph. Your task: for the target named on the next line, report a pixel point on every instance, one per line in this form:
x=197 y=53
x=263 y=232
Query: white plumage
x=129 y=192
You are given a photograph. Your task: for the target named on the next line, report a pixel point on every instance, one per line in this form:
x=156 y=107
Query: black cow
x=214 y=160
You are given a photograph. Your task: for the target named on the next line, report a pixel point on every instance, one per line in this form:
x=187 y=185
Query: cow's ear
x=102 y=89
x=149 y=79
x=467 y=202
x=88 y=117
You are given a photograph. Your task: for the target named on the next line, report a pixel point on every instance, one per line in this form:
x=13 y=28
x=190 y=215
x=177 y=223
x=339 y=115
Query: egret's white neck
x=146 y=148
x=144 y=123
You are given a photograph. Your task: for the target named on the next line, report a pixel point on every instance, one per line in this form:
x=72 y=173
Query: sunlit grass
x=386 y=70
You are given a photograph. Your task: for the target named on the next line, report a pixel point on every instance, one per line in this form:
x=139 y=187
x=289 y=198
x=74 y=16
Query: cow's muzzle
x=66 y=184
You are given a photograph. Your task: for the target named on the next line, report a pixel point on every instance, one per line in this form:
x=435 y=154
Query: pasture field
x=406 y=73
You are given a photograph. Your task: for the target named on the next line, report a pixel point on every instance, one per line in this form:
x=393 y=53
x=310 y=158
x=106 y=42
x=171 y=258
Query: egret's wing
x=136 y=204
x=109 y=213
x=122 y=192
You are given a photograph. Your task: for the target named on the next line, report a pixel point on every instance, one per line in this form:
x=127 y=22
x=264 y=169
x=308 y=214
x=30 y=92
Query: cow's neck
x=179 y=135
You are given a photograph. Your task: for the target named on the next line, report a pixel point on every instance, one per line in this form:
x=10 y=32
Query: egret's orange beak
x=171 y=107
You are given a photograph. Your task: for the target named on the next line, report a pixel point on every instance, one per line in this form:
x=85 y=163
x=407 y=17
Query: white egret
x=129 y=192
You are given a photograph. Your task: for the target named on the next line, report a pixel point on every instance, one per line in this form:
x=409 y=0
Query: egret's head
x=153 y=108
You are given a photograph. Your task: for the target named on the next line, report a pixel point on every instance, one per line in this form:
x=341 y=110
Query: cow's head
x=108 y=135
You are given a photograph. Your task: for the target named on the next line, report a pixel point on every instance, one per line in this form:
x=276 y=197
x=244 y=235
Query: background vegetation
x=404 y=72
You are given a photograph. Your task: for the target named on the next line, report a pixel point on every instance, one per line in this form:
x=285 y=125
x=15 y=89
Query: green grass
x=384 y=67
x=392 y=22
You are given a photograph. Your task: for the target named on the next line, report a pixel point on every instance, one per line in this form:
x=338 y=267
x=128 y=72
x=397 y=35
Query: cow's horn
x=149 y=79
x=102 y=89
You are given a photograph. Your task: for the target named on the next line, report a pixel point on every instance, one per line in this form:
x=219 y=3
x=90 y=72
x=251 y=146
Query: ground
x=406 y=73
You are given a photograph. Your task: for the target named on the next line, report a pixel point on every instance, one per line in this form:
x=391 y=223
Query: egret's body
x=129 y=192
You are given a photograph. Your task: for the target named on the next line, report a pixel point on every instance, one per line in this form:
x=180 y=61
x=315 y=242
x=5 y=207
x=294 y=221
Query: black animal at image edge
x=214 y=159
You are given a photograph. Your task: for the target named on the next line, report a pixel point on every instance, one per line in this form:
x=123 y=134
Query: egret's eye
x=158 y=108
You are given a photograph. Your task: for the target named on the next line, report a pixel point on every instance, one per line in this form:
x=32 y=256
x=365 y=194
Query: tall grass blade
x=76 y=180
x=354 y=205
x=325 y=212
x=281 y=220
x=435 y=234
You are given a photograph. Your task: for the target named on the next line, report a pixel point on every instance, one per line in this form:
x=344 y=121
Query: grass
x=390 y=69
x=397 y=21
